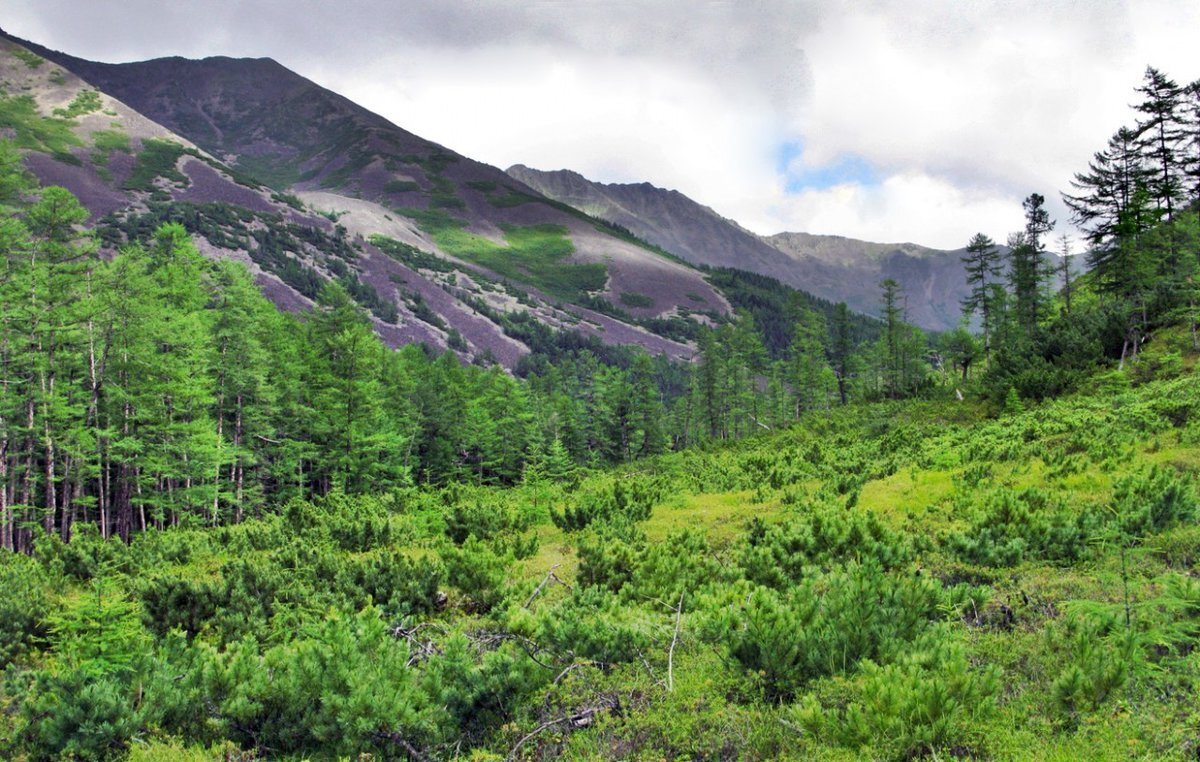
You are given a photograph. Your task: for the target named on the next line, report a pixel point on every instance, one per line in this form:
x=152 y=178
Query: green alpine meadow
x=319 y=440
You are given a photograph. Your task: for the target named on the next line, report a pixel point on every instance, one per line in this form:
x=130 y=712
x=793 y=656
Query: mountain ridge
x=577 y=273
x=836 y=268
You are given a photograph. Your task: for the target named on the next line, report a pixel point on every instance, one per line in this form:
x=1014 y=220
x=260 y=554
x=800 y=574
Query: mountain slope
x=289 y=132
x=439 y=253
x=831 y=267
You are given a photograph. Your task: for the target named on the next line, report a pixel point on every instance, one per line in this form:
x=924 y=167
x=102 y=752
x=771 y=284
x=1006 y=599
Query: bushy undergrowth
x=893 y=582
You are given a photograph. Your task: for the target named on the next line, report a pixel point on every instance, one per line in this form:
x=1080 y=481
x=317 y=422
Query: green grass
x=85 y=102
x=158 y=158
x=107 y=141
x=276 y=174
x=29 y=58
x=531 y=254
x=54 y=135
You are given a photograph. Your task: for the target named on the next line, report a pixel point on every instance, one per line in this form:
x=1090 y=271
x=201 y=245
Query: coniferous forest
x=233 y=532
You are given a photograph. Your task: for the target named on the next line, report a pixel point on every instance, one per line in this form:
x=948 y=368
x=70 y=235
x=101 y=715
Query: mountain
x=831 y=267
x=304 y=186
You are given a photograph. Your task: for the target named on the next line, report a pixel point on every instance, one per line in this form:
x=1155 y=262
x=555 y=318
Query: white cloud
x=945 y=215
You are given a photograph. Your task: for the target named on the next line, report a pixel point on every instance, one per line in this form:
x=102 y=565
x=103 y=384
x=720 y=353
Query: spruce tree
x=982 y=265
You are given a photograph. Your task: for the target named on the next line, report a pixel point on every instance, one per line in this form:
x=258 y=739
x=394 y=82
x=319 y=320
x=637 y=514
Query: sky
x=892 y=121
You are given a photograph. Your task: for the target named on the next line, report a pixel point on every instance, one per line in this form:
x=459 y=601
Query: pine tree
x=647 y=408
x=982 y=265
x=811 y=377
x=1029 y=272
x=841 y=350
x=960 y=348
x=891 y=359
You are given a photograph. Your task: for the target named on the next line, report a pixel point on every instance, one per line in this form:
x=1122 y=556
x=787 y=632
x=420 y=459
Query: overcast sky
x=888 y=121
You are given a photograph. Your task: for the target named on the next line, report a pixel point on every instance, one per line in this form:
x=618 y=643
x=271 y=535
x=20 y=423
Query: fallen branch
x=550 y=576
x=671 y=650
x=581 y=719
x=399 y=740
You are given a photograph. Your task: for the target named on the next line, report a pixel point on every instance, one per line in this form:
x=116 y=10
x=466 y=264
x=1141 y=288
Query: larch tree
x=982 y=263
x=1161 y=133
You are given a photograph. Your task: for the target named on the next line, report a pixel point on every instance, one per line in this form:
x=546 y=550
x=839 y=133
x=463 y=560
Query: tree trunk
x=237 y=463
x=6 y=519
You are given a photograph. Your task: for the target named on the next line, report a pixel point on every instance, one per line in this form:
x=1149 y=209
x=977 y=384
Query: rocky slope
x=440 y=248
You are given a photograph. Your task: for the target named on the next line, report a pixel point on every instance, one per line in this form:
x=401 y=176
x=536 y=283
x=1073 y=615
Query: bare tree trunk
x=124 y=503
x=6 y=519
x=103 y=491
x=237 y=462
x=64 y=509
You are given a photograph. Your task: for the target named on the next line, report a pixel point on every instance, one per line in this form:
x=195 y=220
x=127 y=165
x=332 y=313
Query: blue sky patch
x=847 y=168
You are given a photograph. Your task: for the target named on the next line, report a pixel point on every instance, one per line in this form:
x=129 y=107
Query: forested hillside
x=235 y=532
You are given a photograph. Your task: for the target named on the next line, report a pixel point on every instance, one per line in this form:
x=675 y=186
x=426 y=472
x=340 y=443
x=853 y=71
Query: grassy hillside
x=884 y=581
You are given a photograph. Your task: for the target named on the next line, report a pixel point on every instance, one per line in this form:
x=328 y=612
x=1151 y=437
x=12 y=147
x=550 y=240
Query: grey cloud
x=748 y=47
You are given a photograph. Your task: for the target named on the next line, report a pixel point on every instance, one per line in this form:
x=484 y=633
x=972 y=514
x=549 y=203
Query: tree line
x=1043 y=325
x=159 y=387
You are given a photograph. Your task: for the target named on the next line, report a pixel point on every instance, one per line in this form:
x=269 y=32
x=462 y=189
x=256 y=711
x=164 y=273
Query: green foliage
x=27 y=57
x=53 y=135
x=401 y=586
x=634 y=299
x=107 y=141
x=466 y=519
x=1152 y=501
x=609 y=556
x=531 y=254
x=401 y=186
x=615 y=500
x=85 y=102
x=772 y=304
x=411 y=255
x=23 y=607
x=1017 y=526
x=930 y=701
x=83 y=557
x=827 y=624
x=74 y=714
x=478 y=572
x=592 y=624
x=1099 y=657
x=158 y=158
x=780 y=555
x=340 y=688
x=99 y=632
